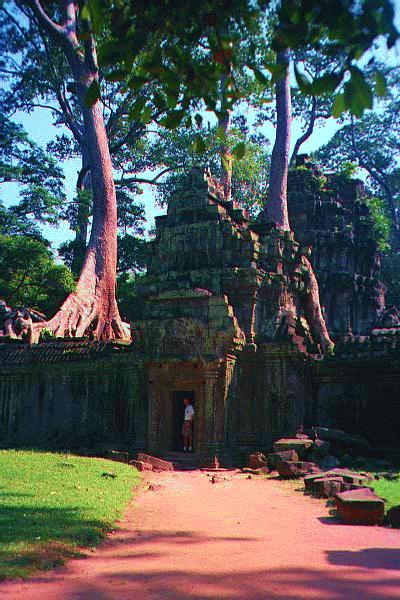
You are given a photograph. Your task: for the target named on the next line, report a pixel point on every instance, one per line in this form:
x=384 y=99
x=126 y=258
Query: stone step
x=182 y=459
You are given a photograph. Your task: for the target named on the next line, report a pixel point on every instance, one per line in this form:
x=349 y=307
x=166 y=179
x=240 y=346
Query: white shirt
x=189 y=413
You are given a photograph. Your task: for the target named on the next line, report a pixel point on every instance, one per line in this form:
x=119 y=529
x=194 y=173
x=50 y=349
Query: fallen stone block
x=309 y=480
x=276 y=457
x=321 y=447
x=393 y=516
x=327 y=487
x=388 y=475
x=117 y=456
x=260 y=471
x=348 y=476
x=155 y=487
x=301 y=447
x=294 y=470
x=360 y=507
x=328 y=462
x=336 y=435
x=158 y=464
x=257 y=460
x=141 y=466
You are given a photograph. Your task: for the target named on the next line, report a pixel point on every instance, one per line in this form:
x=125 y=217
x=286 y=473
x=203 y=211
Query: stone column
x=218 y=376
x=210 y=446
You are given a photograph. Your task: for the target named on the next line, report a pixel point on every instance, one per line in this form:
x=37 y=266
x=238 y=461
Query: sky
x=39 y=126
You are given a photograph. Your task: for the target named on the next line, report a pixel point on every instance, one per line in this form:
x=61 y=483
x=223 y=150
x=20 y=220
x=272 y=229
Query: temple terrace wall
x=76 y=394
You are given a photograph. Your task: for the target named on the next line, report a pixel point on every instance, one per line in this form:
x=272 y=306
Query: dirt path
x=237 y=539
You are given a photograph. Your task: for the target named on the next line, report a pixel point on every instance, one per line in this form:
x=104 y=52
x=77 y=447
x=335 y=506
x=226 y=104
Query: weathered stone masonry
x=222 y=320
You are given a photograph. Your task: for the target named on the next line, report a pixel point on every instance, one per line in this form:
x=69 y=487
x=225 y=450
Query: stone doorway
x=178 y=412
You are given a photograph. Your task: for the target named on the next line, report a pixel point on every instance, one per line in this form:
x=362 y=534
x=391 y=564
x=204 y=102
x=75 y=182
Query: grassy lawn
x=390 y=490
x=53 y=504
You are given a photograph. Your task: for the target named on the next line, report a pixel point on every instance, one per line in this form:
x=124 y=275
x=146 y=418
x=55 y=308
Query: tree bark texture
x=276 y=207
x=91 y=310
x=226 y=156
x=313 y=312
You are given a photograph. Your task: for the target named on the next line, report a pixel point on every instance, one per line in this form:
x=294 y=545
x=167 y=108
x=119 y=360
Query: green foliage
x=347 y=169
x=46 y=334
x=129 y=302
x=351 y=28
x=250 y=169
x=381 y=224
x=168 y=34
x=372 y=143
x=391 y=276
x=131 y=253
x=29 y=275
x=41 y=180
x=53 y=504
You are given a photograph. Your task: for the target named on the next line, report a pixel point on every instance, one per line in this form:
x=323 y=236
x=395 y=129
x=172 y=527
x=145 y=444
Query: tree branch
x=377 y=175
x=308 y=132
x=153 y=181
x=62 y=34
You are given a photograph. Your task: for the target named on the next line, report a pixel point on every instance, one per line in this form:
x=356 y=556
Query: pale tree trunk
x=226 y=158
x=92 y=309
x=276 y=209
x=82 y=217
x=224 y=123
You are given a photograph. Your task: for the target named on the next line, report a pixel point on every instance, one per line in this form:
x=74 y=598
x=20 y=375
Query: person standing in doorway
x=187 y=430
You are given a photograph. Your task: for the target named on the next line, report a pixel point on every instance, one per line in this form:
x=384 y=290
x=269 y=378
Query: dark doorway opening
x=178 y=413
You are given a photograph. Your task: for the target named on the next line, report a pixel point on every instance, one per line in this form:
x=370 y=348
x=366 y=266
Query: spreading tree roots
x=313 y=312
x=83 y=314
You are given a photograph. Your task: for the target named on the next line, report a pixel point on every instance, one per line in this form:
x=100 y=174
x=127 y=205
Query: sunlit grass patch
x=52 y=505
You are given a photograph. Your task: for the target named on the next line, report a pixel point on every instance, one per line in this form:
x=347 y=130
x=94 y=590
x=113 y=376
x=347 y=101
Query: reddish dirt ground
x=235 y=539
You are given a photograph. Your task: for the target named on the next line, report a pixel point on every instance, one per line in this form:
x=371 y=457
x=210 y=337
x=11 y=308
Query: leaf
x=93 y=93
x=117 y=75
x=146 y=115
x=136 y=82
x=380 y=84
x=358 y=93
x=339 y=106
x=261 y=78
x=326 y=84
x=136 y=110
x=277 y=71
x=84 y=12
x=199 y=145
x=96 y=8
x=199 y=119
x=173 y=120
x=302 y=81
x=239 y=150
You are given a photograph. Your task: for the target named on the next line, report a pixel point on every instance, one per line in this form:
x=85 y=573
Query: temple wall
x=242 y=404
x=89 y=404
x=360 y=397
x=270 y=395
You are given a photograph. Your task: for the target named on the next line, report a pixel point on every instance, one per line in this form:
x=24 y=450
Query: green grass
x=390 y=490
x=51 y=505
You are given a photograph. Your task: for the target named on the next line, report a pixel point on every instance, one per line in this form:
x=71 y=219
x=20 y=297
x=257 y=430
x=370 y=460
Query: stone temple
x=222 y=320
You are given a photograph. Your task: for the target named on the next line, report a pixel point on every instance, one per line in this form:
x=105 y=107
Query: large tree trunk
x=92 y=309
x=224 y=122
x=276 y=209
x=82 y=216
